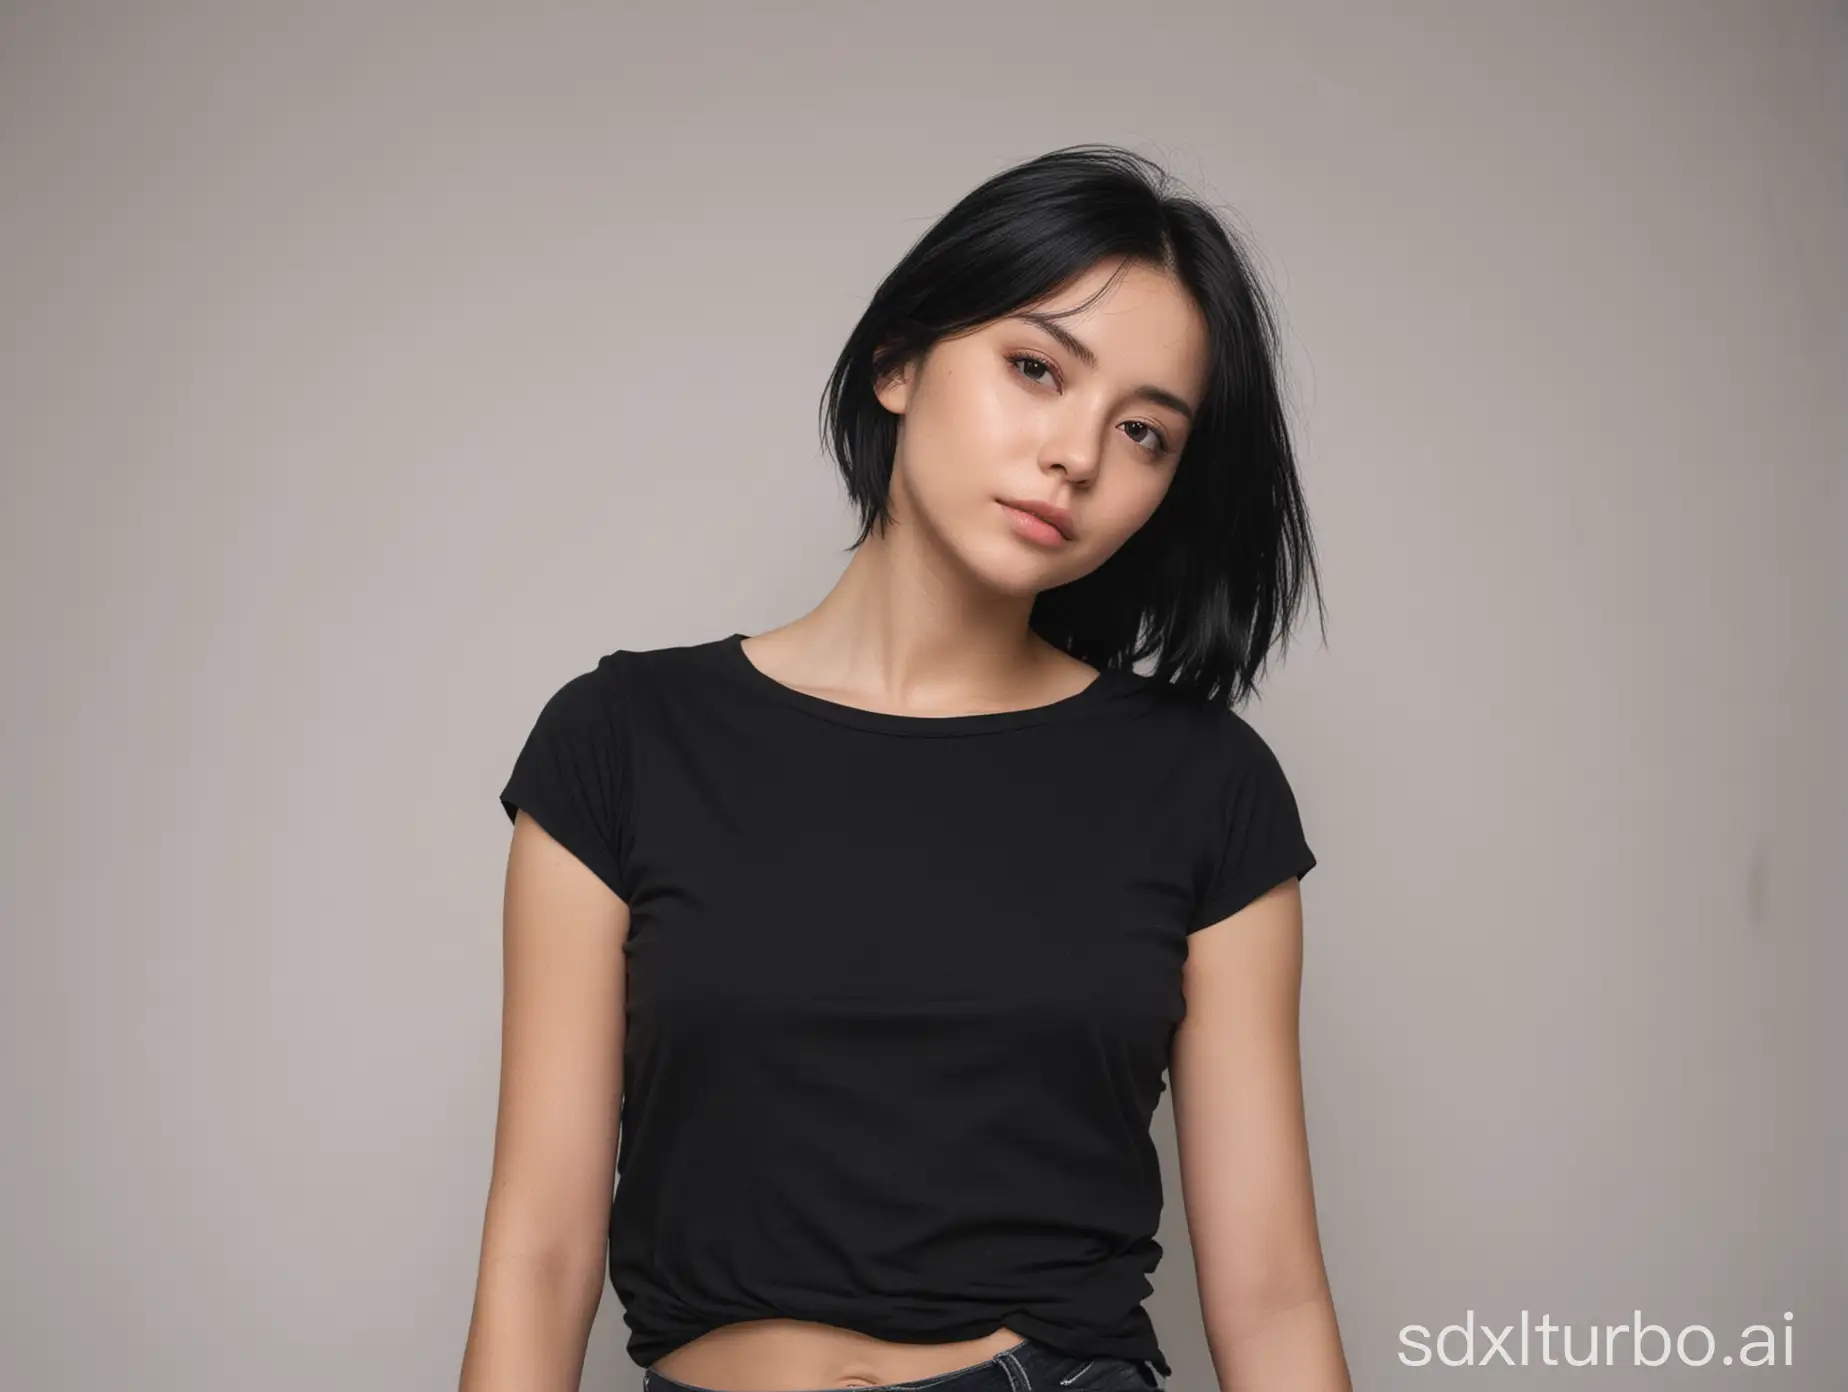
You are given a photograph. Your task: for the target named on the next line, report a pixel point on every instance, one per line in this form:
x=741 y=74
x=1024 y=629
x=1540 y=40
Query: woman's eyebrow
x=1080 y=350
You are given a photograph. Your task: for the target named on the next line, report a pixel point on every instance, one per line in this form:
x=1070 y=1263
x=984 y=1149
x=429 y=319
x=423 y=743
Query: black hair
x=1213 y=580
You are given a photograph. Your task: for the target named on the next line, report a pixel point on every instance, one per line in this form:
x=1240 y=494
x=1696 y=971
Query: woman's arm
x=542 y=1245
x=1236 y=1079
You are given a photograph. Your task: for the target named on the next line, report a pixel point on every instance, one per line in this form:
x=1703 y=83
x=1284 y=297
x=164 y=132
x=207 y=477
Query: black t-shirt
x=901 y=989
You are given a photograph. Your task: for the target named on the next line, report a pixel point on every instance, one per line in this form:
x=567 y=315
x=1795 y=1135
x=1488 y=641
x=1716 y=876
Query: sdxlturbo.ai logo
x=1694 y=1346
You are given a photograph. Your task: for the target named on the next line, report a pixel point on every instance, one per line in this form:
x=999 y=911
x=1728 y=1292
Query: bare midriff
x=785 y=1355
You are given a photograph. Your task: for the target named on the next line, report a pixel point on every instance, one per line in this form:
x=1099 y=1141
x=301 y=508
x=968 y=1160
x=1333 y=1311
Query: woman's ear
x=894 y=388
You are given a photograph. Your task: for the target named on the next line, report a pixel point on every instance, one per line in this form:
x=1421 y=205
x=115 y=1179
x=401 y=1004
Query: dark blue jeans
x=1029 y=1366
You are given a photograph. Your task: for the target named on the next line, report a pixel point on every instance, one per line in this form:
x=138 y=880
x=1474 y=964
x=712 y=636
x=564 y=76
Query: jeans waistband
x=1028 y=1366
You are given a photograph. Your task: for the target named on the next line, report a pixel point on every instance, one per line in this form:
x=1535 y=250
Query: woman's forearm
x=531 y=1324
x=1295 y=1346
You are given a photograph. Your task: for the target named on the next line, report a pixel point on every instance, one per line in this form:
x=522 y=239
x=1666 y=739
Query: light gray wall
x=367 y=370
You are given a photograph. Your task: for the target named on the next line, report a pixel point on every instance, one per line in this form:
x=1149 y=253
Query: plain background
x=368 y=370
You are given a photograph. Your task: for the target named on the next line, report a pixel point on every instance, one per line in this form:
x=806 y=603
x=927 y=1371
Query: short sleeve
x=572 y=774
x=1261 y=839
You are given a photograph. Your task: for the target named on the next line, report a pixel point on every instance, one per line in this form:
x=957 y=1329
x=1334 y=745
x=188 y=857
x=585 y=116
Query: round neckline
x=892 y=723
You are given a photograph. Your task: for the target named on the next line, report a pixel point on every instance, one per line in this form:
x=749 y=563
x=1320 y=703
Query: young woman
x=877 y=931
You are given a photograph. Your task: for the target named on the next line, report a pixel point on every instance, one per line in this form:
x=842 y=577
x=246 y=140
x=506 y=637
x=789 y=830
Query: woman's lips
x=1033 y=528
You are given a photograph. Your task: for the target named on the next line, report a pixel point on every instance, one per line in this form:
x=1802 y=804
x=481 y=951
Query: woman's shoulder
x=625 y=679
x=1214 y=729
x=666 y=665
x=668 y=660
x=590 y=715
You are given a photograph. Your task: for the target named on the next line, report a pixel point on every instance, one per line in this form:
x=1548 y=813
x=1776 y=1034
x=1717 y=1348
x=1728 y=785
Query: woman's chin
x=1013 y=574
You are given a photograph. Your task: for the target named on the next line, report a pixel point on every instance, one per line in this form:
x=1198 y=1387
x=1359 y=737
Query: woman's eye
x=1030 y=361
x=1155 y=442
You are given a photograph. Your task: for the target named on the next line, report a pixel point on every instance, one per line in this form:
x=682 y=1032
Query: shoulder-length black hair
x=1213 y=580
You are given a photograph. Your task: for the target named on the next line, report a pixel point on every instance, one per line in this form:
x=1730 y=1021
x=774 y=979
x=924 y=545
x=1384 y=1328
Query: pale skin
x=930 y=618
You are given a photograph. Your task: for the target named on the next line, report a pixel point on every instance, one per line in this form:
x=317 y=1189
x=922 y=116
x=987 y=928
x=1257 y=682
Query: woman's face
x=1092 y=422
